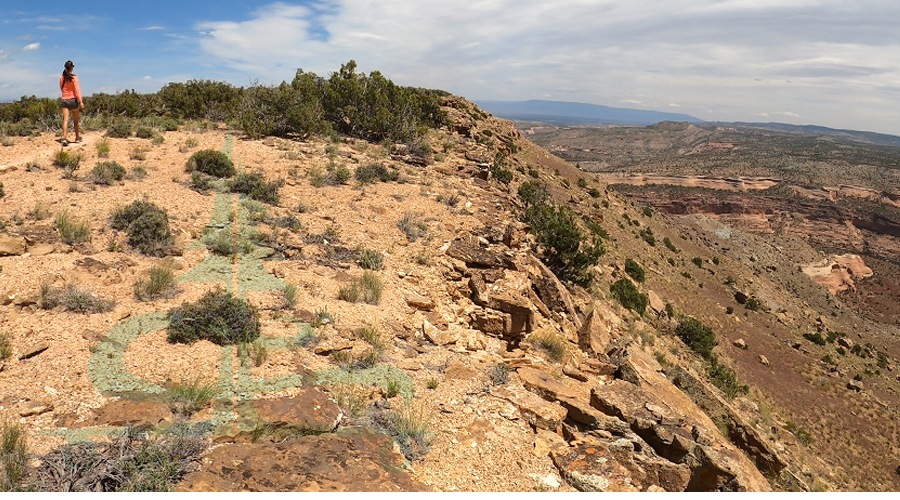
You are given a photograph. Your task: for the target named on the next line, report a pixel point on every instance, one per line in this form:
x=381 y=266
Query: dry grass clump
x=6 y=349
x=190 y=396
x=160 y=283
x=550 y=343
x=412 y=225
x=131 y=462
x=74 y=299
x=410 y=427
x=367 y=288
x=13 y=457
x=72 y=230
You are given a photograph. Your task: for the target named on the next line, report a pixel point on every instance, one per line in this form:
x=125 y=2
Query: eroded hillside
x=413 y=336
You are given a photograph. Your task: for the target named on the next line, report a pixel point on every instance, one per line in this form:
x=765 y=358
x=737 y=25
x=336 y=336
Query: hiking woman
x=71 y=101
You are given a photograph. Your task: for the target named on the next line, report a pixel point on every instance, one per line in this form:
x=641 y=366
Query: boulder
x=591 y=467
x=11 y=245
x=546 y=386
x=593 y=336
x=416 y=301
x=310 y=410
x=740 y=344
x=474 y=255
x=552 y=292
x=349 y=461
x=656 y=304
x=136 y=413
x=34 y=350
x=541 y=414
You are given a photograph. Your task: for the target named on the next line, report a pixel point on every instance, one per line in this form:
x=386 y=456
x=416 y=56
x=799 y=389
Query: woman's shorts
x=69 y=103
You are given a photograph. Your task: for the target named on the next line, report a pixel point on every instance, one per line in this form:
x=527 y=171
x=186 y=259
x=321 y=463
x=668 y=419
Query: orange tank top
x=70 y=89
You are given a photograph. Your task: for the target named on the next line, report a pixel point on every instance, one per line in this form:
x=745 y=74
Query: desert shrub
x=668 y=243
x=723 y=377
x=255 y=186
x=670 y=310
x=72 y=230
x=370 y=334
x=218 y=316
x=39 y=212
x=503 y=176
x=371 y=286
x=338 y=175
x=815 y=338
x=160 y=282
x=699 y=337
x=168 y=124
x=753 y=304
x=582 y=182
x=375 y=172
x=550 y=343
x=147 y=227
x=211 y=162
x=729 y=310
x=119 y=129
x=697 y=262
x=144 y=133
x=409 y=426
x=412 y=225
x=69 y=161
x=628 y=295
x=634 y=270
x=190 y=396
x=532 y=193
x=2 y=192
x=13 y=456
x=74 y=299
x=499 y=374
x=289 y=296
x=6 y=349
x=566 y=249
x=200 y=182
x=131 y=462
x=370 y=259
x=594 y=192
x=223 y=243
x=107 y=172
x=647 y=235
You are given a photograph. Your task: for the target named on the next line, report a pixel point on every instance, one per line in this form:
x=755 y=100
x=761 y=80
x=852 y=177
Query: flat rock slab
x=473 y=254
x=592 y=468
x=329 y=462
x=34 y=350
x=548 y=387
x=535 y=410
x=137 y=413
x=311 y=409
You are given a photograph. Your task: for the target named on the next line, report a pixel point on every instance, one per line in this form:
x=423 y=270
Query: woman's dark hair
x=67 y=73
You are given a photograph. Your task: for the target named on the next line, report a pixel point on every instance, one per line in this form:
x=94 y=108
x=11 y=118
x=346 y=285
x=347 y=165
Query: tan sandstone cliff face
x=838 y=272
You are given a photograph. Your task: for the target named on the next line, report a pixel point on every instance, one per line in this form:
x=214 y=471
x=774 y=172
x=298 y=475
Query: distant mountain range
x=571 y=113
x=576 y=113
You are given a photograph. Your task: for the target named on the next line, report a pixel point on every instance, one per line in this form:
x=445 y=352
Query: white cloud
x=715 y=59
x=147 y=77
x=31 y=46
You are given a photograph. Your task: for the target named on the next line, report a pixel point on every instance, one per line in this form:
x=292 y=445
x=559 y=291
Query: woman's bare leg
x=65 y=127
x=75 y=113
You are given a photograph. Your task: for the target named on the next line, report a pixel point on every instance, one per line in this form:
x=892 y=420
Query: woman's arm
x=78 y=91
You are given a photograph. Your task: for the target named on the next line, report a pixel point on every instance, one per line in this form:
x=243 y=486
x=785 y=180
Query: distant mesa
x=570 y=113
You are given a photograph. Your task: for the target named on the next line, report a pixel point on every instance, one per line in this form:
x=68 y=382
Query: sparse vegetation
x=629 y=296
x=73 y=298
x=13 y=456
x=550 y=343
x=375 y=172
x=190 y=396
x=634 y=270
x=412 y=225
x=499 y=374
x=119 y=129
x=409 y=426
x=218 y=317
x=211 y=162
x=131 y=462
x=699 y=337
x=289 y=296
x=370 y=259
x=71 y=230
x=160 y=282
x=147 y=227
x=566 y=249
x=6 y=348
x=107 y=173
x=102 y=148
x=69 y=161
x=255 y=186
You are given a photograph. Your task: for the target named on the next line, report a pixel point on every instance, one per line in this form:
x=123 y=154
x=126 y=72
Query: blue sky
x=823 y=62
